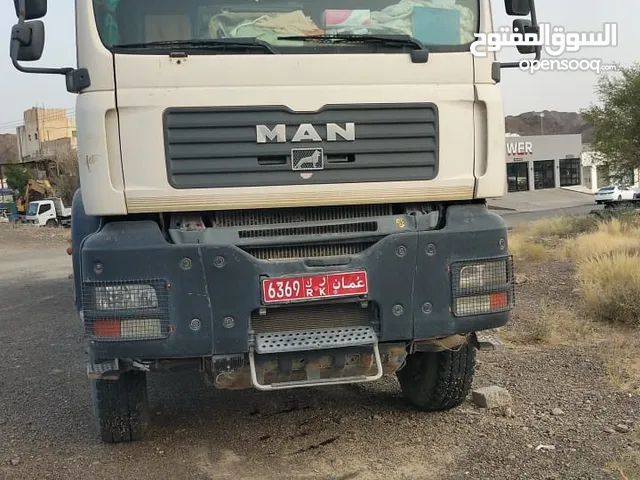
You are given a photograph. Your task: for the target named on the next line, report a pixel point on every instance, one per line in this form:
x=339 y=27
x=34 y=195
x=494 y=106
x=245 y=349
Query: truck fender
x=82 y=226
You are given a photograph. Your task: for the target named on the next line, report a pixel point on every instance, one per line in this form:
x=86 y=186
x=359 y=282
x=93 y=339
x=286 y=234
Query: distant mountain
x=8 y=148
x=553 y=123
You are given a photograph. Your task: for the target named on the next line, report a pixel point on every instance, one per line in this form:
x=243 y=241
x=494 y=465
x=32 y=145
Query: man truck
x=284 y=194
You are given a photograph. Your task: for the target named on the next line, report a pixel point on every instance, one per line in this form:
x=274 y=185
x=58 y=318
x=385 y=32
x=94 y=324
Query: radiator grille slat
x=307 y=251
x=254 y=218
x=309 y=317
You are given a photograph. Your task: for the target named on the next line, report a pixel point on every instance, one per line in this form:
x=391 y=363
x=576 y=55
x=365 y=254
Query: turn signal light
x=128 y=329
x=106 y=328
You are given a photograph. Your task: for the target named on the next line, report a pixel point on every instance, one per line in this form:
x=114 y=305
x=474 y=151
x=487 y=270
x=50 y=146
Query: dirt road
x=349 y=432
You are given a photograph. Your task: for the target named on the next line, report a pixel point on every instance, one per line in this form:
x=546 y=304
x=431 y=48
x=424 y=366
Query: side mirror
x=27 y=44
x=33 y=9
x=523 y=27
x=29 y=37
x=517 y=8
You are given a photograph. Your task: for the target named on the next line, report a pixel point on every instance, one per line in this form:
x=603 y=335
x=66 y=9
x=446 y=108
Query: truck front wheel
x=121 y=407
x=438 y=381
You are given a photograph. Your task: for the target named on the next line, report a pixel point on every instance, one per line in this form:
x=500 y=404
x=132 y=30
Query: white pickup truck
x=48 y=212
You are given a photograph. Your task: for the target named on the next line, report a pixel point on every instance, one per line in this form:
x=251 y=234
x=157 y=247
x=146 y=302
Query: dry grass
x=622 y=360
x=526 y=249
x=538 y=241
x=609 y=236
x=554 y=325
x=627 y=466
x=563 y=226
x=610 y=286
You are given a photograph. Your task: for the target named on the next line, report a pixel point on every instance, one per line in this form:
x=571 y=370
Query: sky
x=522 y=91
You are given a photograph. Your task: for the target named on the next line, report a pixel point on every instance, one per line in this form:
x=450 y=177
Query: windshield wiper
x=240 y=42
x=419 y=54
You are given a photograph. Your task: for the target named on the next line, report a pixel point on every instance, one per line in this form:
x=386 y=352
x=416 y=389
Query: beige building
x=595 y=176
x=47 y=133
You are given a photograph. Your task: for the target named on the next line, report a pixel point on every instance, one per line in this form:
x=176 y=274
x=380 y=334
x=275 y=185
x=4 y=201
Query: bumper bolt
x=401 y=251
x=397 y=310
x=228 y=322
x=185 y=263
x=427 y=308
x=98 y=267
x=219 y=262
x=431 y=250
x=195 y=324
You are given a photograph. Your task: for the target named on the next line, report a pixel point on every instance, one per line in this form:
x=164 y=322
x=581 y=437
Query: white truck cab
x=49 y=212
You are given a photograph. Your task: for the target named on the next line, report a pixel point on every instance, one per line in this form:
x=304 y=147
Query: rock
x=545 y=447
x=491 y=397
x=508 y=412
x=15 y=461
x=622 y=428
x=520 y=279
x=609 y=430
x=557 y=412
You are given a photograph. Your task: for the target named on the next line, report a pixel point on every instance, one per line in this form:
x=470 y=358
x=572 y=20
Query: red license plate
x=311 y=287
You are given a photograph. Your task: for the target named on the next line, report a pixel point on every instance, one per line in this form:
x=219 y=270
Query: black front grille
x=217 y=147
x=308 y=317
x=252 y=218
x=307 y=251
x=360 y=227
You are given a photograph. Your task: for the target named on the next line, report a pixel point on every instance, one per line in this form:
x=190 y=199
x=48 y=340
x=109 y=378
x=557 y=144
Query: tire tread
x=438 y=381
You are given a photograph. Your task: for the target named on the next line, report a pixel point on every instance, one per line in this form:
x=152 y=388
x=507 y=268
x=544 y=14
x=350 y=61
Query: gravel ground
x=348 y=432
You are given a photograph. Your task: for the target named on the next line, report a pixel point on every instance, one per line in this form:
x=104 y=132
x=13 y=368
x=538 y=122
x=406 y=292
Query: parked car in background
x=614 y=193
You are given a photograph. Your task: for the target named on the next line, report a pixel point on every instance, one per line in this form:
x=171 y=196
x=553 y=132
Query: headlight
x=482 y=287
x=125 y=297
x=484 y=275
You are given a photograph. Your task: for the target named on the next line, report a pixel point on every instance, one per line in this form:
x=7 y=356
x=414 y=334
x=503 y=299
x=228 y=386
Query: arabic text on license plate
x=308 y=287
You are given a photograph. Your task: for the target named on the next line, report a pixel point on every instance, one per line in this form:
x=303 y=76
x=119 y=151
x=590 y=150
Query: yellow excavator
x=33 y=190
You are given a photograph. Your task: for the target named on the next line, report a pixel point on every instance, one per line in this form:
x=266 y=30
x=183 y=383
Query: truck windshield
x=33 y=209
x=210 y=26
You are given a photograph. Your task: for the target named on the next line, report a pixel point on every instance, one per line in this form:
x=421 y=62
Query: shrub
x=610 y=284
x=527 y=250
x=610 y=236
x=563 y=226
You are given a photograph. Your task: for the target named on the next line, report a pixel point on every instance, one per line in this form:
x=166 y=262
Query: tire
x=121 y=407
x=438 y=381
x=51 y=223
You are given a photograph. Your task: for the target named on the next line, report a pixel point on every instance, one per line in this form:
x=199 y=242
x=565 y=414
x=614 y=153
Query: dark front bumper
x=410 y=282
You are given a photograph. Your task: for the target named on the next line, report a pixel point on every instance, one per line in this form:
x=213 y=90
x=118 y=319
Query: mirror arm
x=15 y=46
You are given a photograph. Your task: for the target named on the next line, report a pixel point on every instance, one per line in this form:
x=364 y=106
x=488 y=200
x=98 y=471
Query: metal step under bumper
x=310 y=340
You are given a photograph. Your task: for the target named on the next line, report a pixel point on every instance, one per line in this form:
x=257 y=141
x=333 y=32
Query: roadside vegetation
x=583 y=272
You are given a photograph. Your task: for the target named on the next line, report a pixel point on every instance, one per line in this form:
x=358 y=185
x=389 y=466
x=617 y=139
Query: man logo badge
x=305 y=159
